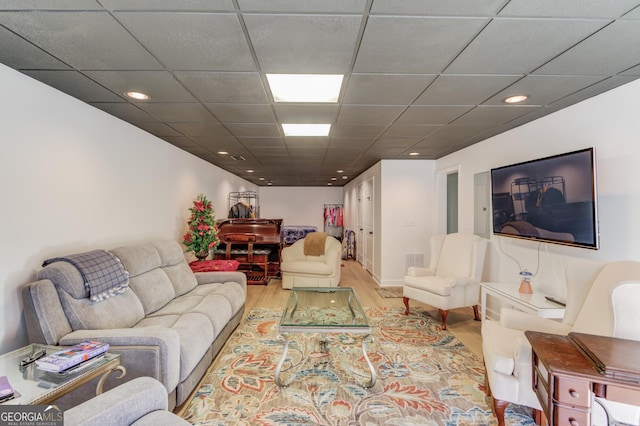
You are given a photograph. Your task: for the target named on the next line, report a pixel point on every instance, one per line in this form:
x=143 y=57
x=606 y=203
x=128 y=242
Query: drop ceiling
x=420 y=76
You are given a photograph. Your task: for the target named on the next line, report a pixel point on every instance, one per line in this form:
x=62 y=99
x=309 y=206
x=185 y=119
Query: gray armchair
x=140 y=402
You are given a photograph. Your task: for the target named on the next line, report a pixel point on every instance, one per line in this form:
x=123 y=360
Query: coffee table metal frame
x=303 y=314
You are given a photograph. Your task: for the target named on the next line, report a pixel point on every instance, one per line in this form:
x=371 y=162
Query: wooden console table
x=508 y=292
x=566 y=382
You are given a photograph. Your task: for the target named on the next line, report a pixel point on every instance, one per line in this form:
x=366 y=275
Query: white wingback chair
x=590 y=309
x=452 y=279
x=300 y=270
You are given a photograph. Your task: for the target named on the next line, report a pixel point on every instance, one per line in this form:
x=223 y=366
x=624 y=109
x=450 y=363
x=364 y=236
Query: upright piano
x=255 y=243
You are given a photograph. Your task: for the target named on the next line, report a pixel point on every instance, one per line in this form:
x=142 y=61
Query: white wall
x=298 y=205
x=404 y=213
x=73 y=178
x=609 y=122
x=407 y=214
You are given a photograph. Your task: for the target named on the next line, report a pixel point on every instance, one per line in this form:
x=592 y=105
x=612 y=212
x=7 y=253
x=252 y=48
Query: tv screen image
x=550 y=199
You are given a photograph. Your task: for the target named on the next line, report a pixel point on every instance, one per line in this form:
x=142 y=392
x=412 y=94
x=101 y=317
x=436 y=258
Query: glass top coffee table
x=35 y=386
x=324 y=311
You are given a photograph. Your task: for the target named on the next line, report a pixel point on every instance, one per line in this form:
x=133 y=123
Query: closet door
x=360 y=230
x=368 y=225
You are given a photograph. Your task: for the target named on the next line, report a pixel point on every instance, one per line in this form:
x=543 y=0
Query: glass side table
x=34 y=386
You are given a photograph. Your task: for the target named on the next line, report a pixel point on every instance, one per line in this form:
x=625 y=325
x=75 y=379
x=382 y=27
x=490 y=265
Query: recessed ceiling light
x=138 y=96
x=249 y=171
x=414 y=153
x=223 y=152
x=339 y=171
x=334 y=178
x=305 y=87
x=515 y=99
x=329 y=184
x=261 y=178
x=306 y=129
x=345 y=177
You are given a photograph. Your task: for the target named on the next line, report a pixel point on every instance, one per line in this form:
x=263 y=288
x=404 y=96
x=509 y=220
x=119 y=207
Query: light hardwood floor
x=460 y=321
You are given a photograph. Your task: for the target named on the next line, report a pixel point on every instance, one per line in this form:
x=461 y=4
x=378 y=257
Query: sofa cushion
x=437 y=285
x=174 y=264
x=120 y=311
x=196 y=335
x=307 y=267
x=153 y=288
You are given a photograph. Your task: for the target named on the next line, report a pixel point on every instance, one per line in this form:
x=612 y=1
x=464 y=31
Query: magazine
x=71 y=356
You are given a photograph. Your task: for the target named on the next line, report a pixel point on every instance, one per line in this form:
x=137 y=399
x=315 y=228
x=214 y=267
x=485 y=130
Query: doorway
x=452 y=203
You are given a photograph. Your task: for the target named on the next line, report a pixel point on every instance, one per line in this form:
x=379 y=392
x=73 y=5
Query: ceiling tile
x=408 y=131
x=610 y=51
x=202 y=128
x=632 y=71
x=159 y=129
x=308 y=6
x=386 y=142
x=486 y=115
x=126 y=112
x=385 y=89
x=179 y=141
x=518 y=46
x=262 y=151
x=75 y=84
x=192 y=41
x=324 y=43
x=369 y=114
x=596 y=89
x=438 y=7
x=421 y=115
x=225 y=87
x=160 y=85
x=18 y=53
x=262 y=142
x=543 y=90
x=568 y=8
x=170 y=5
x=242 y=113
x=177 y=112
x=356 y=131
x=306 y=113
x=84 y=40
x=248 y=129
x=418 y=45
x=49 y=5
x=464 y=89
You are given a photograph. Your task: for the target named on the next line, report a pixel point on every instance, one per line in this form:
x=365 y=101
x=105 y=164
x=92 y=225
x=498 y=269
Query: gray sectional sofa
x=169 y=323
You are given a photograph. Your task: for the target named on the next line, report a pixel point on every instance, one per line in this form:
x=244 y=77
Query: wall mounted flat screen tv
x=551 y=199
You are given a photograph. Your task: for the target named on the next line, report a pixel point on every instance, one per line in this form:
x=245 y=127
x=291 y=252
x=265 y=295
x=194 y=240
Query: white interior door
x=360 y=230
x=368 y=225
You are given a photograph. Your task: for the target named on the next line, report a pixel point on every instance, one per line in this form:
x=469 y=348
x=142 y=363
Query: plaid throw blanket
x=103 y=273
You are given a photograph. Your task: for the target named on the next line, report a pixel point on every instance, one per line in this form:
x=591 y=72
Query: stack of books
x=71 y=356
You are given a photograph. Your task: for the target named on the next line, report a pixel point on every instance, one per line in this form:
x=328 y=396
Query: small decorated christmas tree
x=202 y=236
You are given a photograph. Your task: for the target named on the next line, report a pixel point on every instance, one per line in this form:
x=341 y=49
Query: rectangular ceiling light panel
x=305 y=87
x=306 y=129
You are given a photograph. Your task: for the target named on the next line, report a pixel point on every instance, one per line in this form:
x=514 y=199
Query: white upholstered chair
x=300 y=270
x=452 y=279
x=590 y=309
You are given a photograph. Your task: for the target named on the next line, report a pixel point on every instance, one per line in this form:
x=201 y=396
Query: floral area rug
x=425 y=377
x=390 y=291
